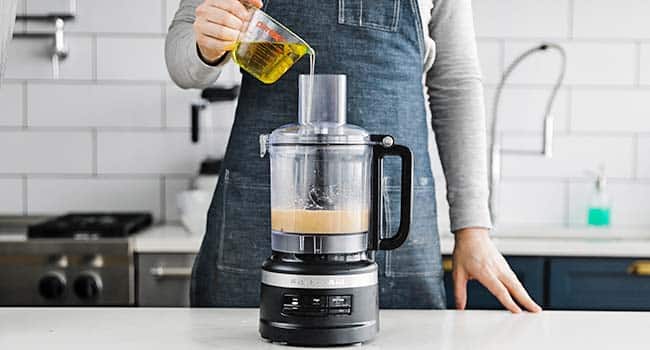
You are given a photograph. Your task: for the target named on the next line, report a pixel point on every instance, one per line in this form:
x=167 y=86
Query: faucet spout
x=60 y=51
x=495 y=148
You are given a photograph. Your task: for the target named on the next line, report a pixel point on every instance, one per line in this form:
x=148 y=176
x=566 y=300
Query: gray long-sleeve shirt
x=453 y=82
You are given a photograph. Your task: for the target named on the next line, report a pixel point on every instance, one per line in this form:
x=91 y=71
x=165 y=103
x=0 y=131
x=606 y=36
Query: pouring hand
x=476 y=257
x=218 y=24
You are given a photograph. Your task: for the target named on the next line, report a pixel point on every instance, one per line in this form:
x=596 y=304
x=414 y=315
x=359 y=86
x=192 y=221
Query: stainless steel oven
x=78 y=259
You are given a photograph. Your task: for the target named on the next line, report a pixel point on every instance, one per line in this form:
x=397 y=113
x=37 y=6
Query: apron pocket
x=374 y=14
x=420 y=254
x=244 y=229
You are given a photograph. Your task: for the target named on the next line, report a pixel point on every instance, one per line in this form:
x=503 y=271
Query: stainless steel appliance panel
x=164 y=279
x=65 y=272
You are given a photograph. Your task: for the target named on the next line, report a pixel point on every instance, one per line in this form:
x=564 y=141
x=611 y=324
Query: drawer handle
x=639 y=268
x=447 y=264
x=161 y=272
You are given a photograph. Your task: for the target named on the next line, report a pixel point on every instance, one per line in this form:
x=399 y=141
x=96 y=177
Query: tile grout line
x=104 y=176
x=569 y=110
x=635 y=157
x=637 y=77
x=163 y=199
x=563 y=39
x=25 y=194
x=567 y=202
x=163 y=12
x=95 y=152
x=571 y=19
x=502 y=58
x=163 y=106
x=25 y=106
x=93 y=58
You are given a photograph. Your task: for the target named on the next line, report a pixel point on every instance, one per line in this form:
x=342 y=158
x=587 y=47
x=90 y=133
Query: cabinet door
x=530 y=271
x=163 y=280
x=599 y=284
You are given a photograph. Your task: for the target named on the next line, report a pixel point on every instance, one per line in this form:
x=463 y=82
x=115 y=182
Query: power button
x=336 y=301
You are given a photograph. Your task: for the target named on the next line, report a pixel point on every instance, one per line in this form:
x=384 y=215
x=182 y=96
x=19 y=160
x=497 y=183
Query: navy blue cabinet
x=599 y=284
x=530 y=271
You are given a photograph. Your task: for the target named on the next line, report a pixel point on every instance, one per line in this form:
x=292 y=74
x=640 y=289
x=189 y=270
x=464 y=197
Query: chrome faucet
x=60 y=51
x=496 y=149
x=59 y=48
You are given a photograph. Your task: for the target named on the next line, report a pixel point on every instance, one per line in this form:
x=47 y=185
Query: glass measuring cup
x=266 y=49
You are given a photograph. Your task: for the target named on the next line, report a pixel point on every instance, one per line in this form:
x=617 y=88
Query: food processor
x=319 y=286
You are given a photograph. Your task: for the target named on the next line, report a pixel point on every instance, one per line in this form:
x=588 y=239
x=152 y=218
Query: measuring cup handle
x=384 y=146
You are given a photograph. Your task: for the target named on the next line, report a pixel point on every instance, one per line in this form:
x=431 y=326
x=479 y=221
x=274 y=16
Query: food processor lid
x=325 y=122
x=317 y=134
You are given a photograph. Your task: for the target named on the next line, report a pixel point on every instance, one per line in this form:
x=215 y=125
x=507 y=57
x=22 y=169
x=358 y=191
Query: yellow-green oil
x=268 y=61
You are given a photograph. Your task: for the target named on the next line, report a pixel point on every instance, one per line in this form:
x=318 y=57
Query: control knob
x=52 y=285
x=87 y=286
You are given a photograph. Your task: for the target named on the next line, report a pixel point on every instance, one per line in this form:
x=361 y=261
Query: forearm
x=458 y=115
x=460 y=134
x=185 y=66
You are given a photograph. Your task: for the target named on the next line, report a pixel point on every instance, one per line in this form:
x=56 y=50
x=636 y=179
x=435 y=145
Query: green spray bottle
x=599 y=210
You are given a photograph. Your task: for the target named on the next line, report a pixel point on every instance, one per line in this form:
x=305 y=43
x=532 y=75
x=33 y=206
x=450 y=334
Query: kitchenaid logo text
x=306 y=283
x=272 y=33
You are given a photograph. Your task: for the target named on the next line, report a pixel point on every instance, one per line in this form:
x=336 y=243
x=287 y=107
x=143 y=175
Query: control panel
x=316 y=305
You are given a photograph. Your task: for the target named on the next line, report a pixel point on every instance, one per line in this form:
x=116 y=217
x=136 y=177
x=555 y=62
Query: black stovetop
x=91 y=225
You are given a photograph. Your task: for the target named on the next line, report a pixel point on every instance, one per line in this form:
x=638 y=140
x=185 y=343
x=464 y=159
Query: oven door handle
x=162 y=272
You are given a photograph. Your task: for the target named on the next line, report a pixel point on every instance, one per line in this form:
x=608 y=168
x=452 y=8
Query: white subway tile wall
x=644 y=64
x=49 y=195
x=491 y=56
x=112 y=133
x=643 y=157
x=626 y=19
x=522 y=18
x=532 y=202
x=11 y=104
x=522 y=109
x=573 y=157
x=101 y=16
x=11 y=196
x=148 y=152
x=30 y=59
x=87 y=105
x=588 y=63
x=131 y=58
x=611 y=110
x=46 y=152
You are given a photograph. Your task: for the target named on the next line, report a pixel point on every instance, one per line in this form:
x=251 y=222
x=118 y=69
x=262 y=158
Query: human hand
x=218 y=24
x=476 y=257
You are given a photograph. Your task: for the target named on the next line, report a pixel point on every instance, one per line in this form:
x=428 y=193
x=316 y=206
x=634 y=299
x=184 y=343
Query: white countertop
x=533 y=241
x=233 y=329
x=166 y=239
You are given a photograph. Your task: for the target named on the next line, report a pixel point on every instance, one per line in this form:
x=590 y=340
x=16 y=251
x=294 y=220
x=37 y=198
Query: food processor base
x=277 y=333
x=324 y=304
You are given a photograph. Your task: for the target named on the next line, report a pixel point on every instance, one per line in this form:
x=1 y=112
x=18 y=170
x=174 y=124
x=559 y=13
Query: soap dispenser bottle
x=599 y=210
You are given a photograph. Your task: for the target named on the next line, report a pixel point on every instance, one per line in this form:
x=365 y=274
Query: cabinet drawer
x=164 y=279
x=530 y=271
x=599 y=284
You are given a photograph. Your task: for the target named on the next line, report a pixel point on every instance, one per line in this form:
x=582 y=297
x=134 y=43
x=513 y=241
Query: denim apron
x=379 y=45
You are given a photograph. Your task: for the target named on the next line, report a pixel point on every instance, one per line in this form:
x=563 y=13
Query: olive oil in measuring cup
x=267 y=49
x=267 y=60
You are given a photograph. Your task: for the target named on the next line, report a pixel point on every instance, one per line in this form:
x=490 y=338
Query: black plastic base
x=354 y=320
x=281 y=333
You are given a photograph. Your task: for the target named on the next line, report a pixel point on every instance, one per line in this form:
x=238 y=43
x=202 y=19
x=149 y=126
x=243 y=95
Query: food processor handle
x=195 y=122
x=385 y=146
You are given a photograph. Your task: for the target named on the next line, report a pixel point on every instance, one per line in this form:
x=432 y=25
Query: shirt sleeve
x=458 y=115
x=184 y=65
